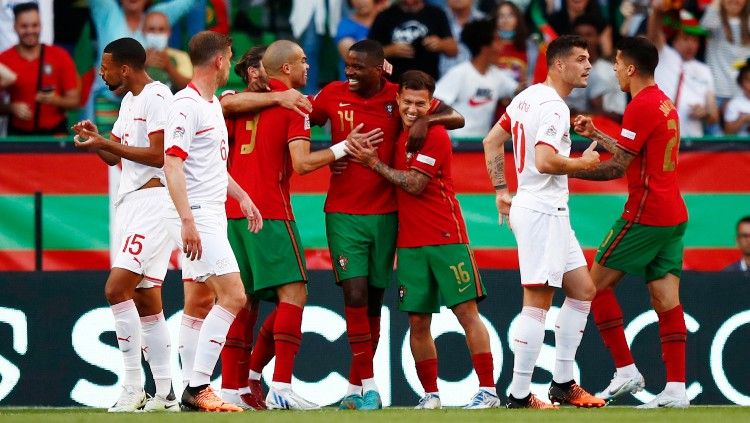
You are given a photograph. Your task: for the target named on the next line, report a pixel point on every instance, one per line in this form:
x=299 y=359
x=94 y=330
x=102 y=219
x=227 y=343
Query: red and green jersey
x=359 y=190
x=651 y=131
x=259 y=159
x=433 y=217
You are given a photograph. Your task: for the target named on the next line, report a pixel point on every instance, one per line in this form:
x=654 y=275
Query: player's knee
x=467 y=318
x=419 y=325
x=293 y=293
x=587 y=293
x=115 y=293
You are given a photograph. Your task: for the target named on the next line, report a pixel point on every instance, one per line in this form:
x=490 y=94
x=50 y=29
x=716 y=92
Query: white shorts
x=218 y=258
x=142 y=242
x=547 y=246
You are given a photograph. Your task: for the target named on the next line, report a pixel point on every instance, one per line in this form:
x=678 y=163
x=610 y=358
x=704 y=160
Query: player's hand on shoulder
x=584 y=126
x=191 y=241
x=417 y=134
x=294 y=100
x=590 y=157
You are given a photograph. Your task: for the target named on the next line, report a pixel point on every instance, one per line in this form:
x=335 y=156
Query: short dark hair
x=371 y=48
x=127 y=51
x=592 y=20
x=204 y=45
x=477 y=34
x=416 y=80
x=642 y=52
x=251 y=59
x=563 y=45
x=742 y=220
x=21 y=8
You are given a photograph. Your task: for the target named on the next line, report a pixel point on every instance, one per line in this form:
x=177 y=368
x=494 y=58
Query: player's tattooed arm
x=411 y=181
x=584 y=126
x=494 y=154
x=611 y=169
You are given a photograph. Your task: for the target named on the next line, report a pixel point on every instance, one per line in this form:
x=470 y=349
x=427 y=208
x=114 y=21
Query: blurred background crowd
x=481 y=51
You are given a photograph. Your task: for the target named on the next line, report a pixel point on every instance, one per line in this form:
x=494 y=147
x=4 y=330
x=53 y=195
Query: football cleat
x=572 y=393
x=621 y=385
x=531 y=401
x=131 y=399
x=665 y=400
x=483 y=399
x=429 y=402
x=157 y=403
x=371 y=401
x=206 y=400
x=286 y=399
x=351 y=402
x=256 y=396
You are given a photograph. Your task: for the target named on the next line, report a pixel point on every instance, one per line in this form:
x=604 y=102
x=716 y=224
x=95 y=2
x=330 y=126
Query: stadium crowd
x=211 y=174
x=704 y=43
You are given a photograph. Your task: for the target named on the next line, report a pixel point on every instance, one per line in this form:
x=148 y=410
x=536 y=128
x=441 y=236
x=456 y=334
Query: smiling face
x=28 y=27
x=413 y=104
x=361 y=72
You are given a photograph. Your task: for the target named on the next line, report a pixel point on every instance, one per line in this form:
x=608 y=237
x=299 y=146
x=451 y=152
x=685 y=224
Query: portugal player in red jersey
x=360 y=208
x=647 y=239
x=435 y=265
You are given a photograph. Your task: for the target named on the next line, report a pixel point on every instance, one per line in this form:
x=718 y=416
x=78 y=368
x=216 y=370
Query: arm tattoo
x=609 y=143
x=411 y=181
x=608 y=170
x=496 y=170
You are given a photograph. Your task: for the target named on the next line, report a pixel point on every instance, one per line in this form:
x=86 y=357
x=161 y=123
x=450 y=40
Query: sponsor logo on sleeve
x=426 y=159
x=551 y=131
x=627 y=134
x=307 y=122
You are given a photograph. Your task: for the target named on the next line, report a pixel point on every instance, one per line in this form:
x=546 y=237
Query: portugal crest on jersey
x=389 y=109
x=343 y=262
x=401 y=293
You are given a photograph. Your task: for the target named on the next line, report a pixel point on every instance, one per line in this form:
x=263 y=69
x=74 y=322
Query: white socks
x=627 y=371
x=156 y=349
x=189 y=331
x=128 y=332
x=369 y=385
x=675 y=389
x=571 y=321
x=353 y=390
x=213 y=335
x=527 y=342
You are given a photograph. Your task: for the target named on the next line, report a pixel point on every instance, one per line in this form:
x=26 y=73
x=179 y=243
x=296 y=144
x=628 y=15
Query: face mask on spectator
x=156 y=41
x=506 y=35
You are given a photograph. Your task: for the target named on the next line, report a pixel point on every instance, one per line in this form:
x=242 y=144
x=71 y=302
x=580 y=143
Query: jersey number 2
x=519 y=136
x=670 y=153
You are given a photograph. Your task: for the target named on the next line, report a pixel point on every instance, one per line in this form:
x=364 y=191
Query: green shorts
x=647 y=251
x=362 y=245
x=271 y=258
x=437 y=274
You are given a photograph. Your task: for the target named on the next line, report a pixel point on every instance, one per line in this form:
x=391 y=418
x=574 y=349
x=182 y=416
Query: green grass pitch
x=713 y=414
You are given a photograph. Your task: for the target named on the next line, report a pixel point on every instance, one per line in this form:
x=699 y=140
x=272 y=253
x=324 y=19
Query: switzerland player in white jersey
x=142 y=243
x=196 y=169
x=549 y=255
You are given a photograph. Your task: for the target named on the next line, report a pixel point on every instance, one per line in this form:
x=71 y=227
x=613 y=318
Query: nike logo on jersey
x=476 y=102
x=344 y=104
x=460 y=290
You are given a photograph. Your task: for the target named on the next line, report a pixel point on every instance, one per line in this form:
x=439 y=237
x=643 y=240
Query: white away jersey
x=538 y=115
x=197 y=133
x=475 y=95
x=140 y=116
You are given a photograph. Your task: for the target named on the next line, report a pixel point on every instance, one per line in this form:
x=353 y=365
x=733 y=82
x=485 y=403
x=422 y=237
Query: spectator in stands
x=310 y=21
x=635 y=14
x=192 y=22
x=737 y=113
x=728 y=41
x=519 y=52
x=8 y=37
x=743 y=243
x=414 y=35
x=459 y=13
x=475 y=87
x=562 y=20
x=683 y=78
x=170 y=66
x=356 y=26
x=47 y=83
x=602 y=96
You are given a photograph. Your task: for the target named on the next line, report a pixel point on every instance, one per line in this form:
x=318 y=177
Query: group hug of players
x=212 y=175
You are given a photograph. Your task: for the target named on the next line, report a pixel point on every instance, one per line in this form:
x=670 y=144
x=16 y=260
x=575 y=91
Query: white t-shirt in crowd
x=736 y=106
x=602 y=83
x=140 y=116
x=475 y=95
x=721 y=55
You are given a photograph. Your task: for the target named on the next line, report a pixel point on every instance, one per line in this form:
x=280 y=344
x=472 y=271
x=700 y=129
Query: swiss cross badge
x=401 y=293
x=343 y=261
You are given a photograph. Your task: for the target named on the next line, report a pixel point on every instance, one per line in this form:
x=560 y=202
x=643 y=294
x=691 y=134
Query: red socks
x=374 y=332
x=673 y=334
x=360 y=341
x=483 y=366
x=234 y=357
x=287 y=336
x=608 y=317
x=264 y=350
x=427 y=371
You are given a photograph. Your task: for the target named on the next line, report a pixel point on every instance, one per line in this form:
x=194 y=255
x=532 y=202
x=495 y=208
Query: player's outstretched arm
x=251 y=212
x=584 y=126
x=547 y=160
x=248 y=102
x=443 y=115
x=412 y=181
x=613 y=168
x=305 y=161
x=494 y=155
x=177 y=186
